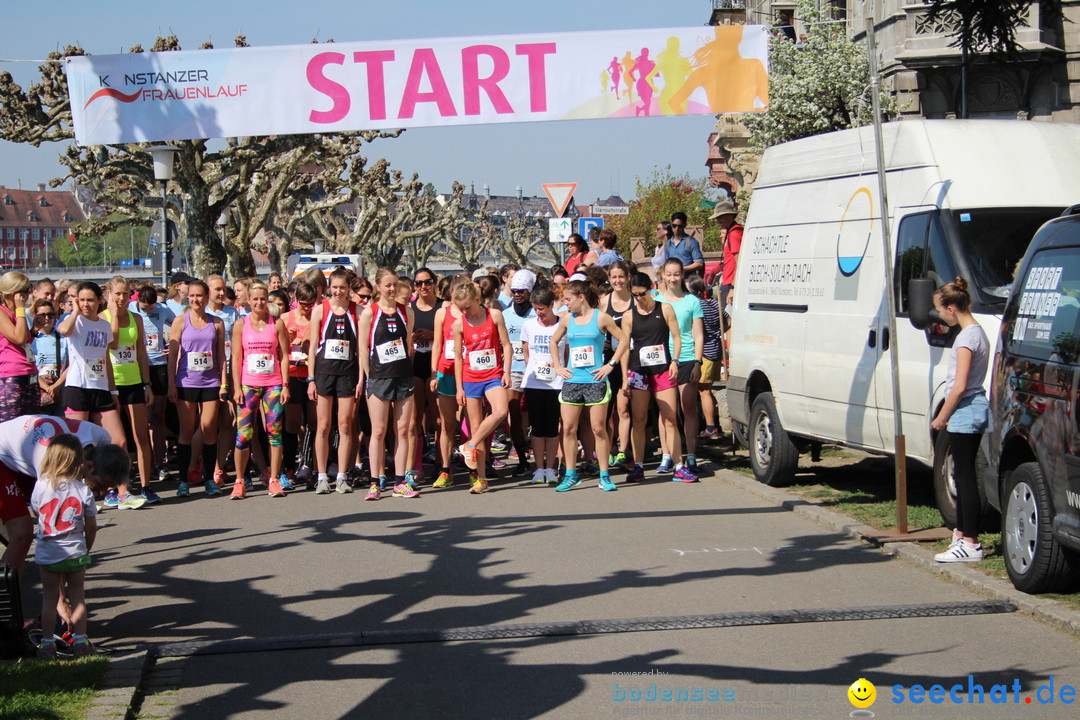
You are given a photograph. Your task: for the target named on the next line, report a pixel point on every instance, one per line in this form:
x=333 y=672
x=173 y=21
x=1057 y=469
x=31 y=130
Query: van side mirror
x=921 y=310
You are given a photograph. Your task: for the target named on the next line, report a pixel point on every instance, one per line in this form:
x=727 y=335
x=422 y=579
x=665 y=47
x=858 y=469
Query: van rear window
x=1047 y=302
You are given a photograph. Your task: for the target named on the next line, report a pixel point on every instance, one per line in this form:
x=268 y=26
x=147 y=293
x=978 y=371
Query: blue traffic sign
x=587 y=223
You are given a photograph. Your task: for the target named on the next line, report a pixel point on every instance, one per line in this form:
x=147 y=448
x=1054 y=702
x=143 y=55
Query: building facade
x=31 y=221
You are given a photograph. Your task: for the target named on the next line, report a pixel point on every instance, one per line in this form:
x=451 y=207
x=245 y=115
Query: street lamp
x=163 y=171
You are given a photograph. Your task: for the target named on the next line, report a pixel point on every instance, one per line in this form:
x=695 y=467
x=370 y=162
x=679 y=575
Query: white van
x=810 y=340
x=300 y=263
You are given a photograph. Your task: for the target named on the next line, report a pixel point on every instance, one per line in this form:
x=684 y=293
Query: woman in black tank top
x=652 y=372
x=426 y=415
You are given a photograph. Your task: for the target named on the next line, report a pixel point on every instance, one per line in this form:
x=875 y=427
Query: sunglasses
x=425 y=282
x=47 y=316
x=678 y=225
x=365 y=297
x=514 y=291
x=640 y=294
x=306 y=304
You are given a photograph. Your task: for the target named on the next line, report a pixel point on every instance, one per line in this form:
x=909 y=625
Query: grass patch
x=49 y=690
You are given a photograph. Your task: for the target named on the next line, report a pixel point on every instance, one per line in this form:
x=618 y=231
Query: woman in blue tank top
x=585 y=377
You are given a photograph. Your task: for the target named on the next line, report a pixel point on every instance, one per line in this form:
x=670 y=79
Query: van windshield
x=992 y=242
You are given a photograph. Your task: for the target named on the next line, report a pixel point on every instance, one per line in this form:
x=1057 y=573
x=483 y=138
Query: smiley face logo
x=862 y=693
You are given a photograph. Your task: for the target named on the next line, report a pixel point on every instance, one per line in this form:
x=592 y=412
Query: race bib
x=448 y=350
x=95 y=369
x=424 y=346
x=583 y=357
x=124 y=355
x=337 y=349
x=200 y=361
x=482 y=359
x=651 y=355
x=391 y=351
x=519 y=352
x=49 y=370
x=260 y=363
x=152 y=340
x=297 y=356
x=545 y=372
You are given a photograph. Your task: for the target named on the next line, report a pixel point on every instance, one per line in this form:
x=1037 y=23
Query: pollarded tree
x=816 y=86
x=248 y=175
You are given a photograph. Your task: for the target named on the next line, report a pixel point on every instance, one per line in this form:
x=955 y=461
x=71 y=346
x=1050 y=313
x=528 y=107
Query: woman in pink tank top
x=260 y=369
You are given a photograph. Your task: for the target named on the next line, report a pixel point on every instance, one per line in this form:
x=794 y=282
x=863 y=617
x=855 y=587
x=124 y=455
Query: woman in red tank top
x=443 y=384
x=482 y=355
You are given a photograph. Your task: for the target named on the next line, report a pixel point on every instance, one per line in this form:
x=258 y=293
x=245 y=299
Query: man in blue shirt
x=683 y=247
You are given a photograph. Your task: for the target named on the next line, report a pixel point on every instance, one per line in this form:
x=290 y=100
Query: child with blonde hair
x=66 y=528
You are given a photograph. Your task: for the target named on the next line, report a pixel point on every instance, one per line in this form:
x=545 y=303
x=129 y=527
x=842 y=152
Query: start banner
x=332 y=87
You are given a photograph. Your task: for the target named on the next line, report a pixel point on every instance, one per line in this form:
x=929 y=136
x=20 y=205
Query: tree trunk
x=203 y=248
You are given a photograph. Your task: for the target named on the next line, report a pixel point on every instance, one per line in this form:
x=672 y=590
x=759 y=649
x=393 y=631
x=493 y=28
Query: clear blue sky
x=602 y=156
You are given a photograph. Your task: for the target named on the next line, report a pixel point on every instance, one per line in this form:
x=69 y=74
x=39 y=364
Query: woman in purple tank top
x=196 y=383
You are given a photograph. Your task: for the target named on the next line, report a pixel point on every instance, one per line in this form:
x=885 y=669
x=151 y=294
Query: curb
x=120 y=692
x=1048 y=611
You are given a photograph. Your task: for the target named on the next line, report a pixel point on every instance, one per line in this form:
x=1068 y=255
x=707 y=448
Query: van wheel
x=1035 y=561
x=772 y=454
x=945 y=485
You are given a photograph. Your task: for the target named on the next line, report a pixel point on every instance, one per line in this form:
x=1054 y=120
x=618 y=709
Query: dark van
x=1033 y=476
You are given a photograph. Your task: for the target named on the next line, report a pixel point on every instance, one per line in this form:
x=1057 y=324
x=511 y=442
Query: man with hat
x=725 y=214
x=515 y=315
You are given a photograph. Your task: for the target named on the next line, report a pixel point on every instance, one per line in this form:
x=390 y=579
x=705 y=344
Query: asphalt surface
x=195 y=574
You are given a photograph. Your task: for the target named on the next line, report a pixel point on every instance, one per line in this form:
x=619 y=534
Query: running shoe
x=444 y=480
x=303 y=473
x=709 y=434
x=212 y=488
x=404 y=490
x=373 y=492
x=551 y=476
x=131 y=502
x=83 y=648
x=684 y=474
x=691 y=462
x=666 y=465
x=540 y=476
x=238 y=491
x=468 y=455
x=342 y=485
x=275 y=490
x=162 y=474
x=621 y=460
x=182 y=489
x=569 y=482
x=220 y=478
x=112 y=499
x=322 y=487
x=589 y=468
x=497 y=464
x=636 y=474
x=960 y=552
x=285 y=482
x=412 y=479
x=46 y=651
x=479 y=486
x=500 y=441
x=151 y=497
x=606 y=484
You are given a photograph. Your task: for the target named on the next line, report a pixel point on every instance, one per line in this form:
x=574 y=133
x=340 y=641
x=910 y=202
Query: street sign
x=610 y=210
x=559 y=194
x=153 y=201
x=559 y=229
x=585 y=224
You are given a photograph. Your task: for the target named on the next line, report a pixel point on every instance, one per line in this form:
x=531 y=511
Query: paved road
x=214 y=570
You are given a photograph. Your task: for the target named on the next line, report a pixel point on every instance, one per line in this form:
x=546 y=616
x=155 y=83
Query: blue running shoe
x=666 y=465
x=212 y=488
x=606 y=483
x=182 y=489
x=150 y=496
x=569 y=482
x=286 y=483
x=636 y=474
x=112 y=499
x=691 y=462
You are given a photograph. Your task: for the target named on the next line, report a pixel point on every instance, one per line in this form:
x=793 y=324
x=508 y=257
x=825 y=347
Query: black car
x=1033 y=441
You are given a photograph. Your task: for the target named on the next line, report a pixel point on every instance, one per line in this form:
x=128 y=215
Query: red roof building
x=31 y=220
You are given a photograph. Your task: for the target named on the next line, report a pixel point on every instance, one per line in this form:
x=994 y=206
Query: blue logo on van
x=853 y=237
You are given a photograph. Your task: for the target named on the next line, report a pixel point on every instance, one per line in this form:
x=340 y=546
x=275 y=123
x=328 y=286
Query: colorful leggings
x=267 y=399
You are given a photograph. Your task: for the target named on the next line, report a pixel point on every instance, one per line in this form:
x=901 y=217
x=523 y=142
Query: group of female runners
x=341 y=370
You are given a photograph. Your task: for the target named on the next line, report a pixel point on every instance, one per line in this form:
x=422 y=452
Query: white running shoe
x=961 y=552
